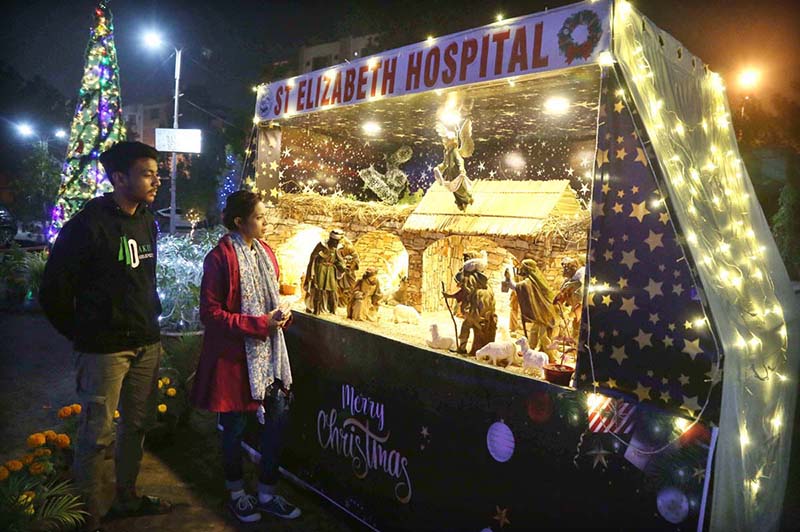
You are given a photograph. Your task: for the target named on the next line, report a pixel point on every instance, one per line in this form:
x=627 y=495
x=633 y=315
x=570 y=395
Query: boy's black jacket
x=99 y=286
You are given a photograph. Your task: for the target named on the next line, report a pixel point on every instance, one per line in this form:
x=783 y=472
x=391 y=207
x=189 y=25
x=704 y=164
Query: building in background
x=314 y=57
x=141 y=120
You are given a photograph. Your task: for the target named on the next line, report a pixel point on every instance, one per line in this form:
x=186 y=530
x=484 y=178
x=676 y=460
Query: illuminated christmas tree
x=96 y=125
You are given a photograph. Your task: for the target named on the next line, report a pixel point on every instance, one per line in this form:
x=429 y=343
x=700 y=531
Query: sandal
x=146 y=505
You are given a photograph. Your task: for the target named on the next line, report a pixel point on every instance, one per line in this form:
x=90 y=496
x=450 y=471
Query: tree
x=36 y=185
x=96 y=124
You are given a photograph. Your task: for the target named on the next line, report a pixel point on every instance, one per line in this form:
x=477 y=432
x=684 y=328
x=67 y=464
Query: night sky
x=227 y=43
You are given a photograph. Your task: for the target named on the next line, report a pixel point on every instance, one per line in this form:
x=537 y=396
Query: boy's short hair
x=121 y=156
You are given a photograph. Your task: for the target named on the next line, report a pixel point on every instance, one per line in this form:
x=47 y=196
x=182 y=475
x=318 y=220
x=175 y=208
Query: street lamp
x=26 y=131
x=748 y=81
x=153 y=40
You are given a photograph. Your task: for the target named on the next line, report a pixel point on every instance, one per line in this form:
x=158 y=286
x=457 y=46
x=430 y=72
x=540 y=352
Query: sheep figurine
x=495 y=352
x=530 y=357
x=405 y=314
x=440 y=342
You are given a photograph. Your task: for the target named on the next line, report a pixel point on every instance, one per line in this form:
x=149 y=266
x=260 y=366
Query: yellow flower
x=42 y=451
x=160 y=384
x=162 y=408
x=172 y=392
x=76 y=408
x=14 y=465
x=62 y=441
x=36 y=440
x=36 y=468
x=26 y=501
x=64 y=412
x=27 y=459
x=29 y=495
x=50 y=436
x=3 y=473
x=166 y=381
x=116 y=414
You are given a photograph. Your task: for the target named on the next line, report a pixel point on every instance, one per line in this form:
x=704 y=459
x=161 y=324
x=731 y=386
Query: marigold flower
x=162 y=408
x=160 y=384
x=36 y=439
x=14 y=465
x=27 y=459
x=166 y=381
x=62 y=441
x=50 y=436
x=3 y=473
x=64 y=412
x=116 y=414
x=36 y=468
x=76 y=408
x=42 y=451
x=172 y=392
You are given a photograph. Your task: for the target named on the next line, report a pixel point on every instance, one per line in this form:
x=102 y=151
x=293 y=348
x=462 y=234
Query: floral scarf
x=266 y=360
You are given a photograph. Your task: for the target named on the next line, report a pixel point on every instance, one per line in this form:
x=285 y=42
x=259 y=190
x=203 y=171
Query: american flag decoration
x=607 y=414
x=645 y=327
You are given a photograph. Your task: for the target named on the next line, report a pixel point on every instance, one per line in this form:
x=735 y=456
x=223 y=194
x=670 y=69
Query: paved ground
x=37 y=377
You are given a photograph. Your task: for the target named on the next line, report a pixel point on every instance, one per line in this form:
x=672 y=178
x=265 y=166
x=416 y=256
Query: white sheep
x=405 y=314
x=530 y=357
x=495 y=352
x=440 y=342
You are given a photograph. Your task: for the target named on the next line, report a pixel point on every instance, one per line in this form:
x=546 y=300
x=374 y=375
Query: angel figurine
x=450 y=173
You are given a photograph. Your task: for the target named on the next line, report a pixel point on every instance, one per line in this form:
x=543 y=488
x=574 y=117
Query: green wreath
x=569 y=48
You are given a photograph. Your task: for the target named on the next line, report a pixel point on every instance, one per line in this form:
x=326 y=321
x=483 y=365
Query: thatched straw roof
x=509 y=208
x=299 y=206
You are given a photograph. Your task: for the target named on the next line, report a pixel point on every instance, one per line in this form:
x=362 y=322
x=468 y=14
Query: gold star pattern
x=612 y=383
x=602 y=157
x=599 y=455
x=608 y=254
x=642 y=392
x=620 y=193
x=501 y=516
x=618 y=107
x=273 y=165
x=687 y=325
x=620 y=140
x=663 y=218
x=618 y=354
x=664 y=397
x=606 y=188
x=668 y=342
x=690 y=404
x=634 y=189
x=643 y=339
x=628 y=305
x=623 y=283
x=639 y=211
x=606 y=300
x=653 y=240
x=683 y=379
x=653 y=288
x=629 y=259
x=621 y=153
x=678 y=289
x=692 y=347
x=654 y=319
x=640 y=157
x=699 y=473
x=671 y=326
x=617 y=208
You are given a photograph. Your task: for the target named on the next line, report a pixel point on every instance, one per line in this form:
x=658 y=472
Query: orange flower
x=76 y=408
x=14 y=465
x=36 y=468
x=64 y=412
x=50 y=436
x=172 y=392
x=27 y=459
x=36 y=440
x=162 y=408
x=3 y=473
x=62 y=441
x=42 y=451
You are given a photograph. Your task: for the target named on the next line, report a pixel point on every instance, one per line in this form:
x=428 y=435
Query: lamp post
x=153 y=40
x=748 y=81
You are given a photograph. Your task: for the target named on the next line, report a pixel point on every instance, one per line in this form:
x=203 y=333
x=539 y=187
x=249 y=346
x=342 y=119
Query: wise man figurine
x=321 y=281
x=536 y=304
x=571 y=291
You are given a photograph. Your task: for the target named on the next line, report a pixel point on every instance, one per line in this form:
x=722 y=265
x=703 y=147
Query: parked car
x=8 y=227
x=180 y=221
x=30 y=232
